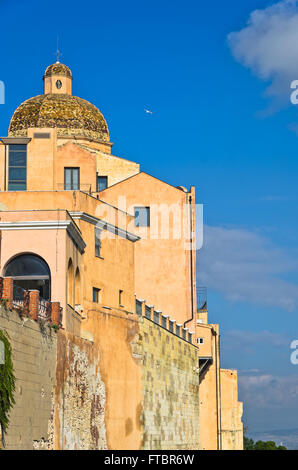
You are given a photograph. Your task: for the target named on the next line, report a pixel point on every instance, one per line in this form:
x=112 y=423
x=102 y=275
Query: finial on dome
x=58 y=53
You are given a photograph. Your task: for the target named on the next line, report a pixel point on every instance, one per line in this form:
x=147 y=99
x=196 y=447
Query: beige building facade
x=117 y=248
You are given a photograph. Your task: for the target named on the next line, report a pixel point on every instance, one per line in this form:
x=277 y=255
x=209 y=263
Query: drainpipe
x=191 y=261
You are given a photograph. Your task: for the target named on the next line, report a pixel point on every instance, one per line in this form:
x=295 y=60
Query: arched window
x=70 y=282
x=77 y=287
x=30 y=272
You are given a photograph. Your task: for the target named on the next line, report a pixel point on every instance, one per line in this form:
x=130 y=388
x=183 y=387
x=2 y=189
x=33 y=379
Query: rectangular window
x=97 y=233
x=71 y=178
x=102 y=182
x=121 y=298
x=177 y=330
x=142 y=216
x=171 y=326
x=41 y=135
x=189 y=337
x=95 y=295
x=156 y=317
x=200 y=340
x=17 y=168
x=148 y=312
x=164 y=322
x=139 y=307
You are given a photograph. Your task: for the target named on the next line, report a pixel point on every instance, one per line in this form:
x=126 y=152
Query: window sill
x=99 y=257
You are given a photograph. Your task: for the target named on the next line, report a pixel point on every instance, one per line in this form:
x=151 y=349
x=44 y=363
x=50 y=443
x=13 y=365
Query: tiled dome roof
x=58 y=69
x=72 y=116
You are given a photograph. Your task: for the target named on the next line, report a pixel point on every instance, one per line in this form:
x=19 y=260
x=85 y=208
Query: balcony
x=85 y=188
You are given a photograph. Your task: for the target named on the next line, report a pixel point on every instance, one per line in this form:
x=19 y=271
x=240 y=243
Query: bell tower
x=57 y=79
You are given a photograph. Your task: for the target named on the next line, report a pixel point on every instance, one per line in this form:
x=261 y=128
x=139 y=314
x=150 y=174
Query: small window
x=142 y=216
x=71 y=178
x=189 y=337
x=121 y=298
x=171 y=326
x=102 y=182
x=17 y=168
x=156 y=317
x=164 y=322
x=200 y=340
x=139 y=307
x=177 y=330
x=95 y=297
x=97 y=233
x=183 y=333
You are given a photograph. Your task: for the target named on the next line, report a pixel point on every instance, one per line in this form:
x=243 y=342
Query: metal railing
x=19 y=296
x=201 y=298
x=86 y=188
x=44 y=309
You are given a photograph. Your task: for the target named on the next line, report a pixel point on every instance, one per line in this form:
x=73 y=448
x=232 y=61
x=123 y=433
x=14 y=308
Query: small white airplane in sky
x=148 y=111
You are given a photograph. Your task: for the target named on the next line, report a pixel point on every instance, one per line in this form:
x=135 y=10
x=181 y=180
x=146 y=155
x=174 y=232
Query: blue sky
x=222 y=121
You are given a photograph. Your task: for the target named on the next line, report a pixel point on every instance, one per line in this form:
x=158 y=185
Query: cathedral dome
x=58 y=108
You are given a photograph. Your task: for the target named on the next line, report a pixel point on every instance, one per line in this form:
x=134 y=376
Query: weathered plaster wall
x=170 y=388
x=34 y=357
x=79 y=396
x=231 y=411
x=112 y=332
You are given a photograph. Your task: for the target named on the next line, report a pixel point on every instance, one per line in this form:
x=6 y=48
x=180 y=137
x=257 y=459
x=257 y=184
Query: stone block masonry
x=34 y=358
x=170 y=385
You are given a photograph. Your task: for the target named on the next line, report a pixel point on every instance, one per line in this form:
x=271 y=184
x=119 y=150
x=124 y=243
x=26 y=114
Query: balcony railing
x=44 y=309
x=201 y=298
x=86 y=188
x=19 y=296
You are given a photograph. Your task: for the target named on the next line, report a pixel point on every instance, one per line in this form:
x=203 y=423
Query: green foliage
x=7 y=383
x=249 y=444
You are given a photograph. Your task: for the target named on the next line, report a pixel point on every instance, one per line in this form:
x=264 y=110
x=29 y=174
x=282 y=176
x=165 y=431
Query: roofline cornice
x=48 y=225
x=15 y=140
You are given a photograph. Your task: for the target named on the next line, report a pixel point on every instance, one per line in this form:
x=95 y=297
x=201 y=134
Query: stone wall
x=131 y=385
x=170 y=385
x=34 y=356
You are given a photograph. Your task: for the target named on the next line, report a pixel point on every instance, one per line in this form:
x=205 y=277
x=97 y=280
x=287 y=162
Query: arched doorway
x=30 y=271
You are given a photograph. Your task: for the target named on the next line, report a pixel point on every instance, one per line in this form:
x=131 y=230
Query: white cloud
x=269 y=391
x=241 y=339
x=268 y=46
x=244 y=266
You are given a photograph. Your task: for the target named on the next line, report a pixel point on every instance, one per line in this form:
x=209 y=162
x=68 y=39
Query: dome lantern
x=57 y=79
